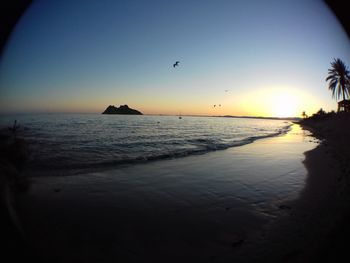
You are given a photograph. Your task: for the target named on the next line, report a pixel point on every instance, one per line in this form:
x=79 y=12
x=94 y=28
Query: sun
x=284 y=105
x=284 y=101
x=278 y=102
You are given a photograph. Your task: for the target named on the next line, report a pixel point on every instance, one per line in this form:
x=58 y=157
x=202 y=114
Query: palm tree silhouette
x=304 y=115
x=339 y=79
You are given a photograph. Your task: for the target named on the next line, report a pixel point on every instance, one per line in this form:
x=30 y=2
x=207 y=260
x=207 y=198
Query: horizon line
x=155 y=114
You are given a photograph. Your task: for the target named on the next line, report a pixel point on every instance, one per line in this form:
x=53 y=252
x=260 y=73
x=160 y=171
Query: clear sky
x=261 y=58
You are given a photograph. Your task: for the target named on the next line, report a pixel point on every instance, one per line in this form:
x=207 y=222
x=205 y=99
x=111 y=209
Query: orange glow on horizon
x=279 y=102
x=263 y=102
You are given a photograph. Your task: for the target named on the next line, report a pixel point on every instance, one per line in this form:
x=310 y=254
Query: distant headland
x=123 y=109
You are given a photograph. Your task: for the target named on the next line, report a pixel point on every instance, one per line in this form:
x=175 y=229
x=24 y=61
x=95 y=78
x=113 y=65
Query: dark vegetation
x=338 y=79
x=335 y=126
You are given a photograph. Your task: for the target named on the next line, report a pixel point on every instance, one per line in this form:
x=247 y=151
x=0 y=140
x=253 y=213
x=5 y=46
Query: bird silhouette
x=226 y=90
x=176 y=64
x=214 y=106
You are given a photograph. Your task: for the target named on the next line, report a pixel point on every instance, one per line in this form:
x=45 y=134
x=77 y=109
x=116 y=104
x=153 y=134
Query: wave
x=197 y=146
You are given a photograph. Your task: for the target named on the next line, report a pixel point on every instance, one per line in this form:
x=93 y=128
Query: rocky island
x=123 y=109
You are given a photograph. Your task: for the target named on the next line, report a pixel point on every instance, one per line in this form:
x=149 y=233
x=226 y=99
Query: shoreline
x=206 y=208
x=315 y=227
x=320 y=213
x=108 y=164
x=333 y=192
x=303 y=233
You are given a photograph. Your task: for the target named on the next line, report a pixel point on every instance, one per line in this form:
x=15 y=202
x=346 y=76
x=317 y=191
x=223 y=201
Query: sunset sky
x=272 y=57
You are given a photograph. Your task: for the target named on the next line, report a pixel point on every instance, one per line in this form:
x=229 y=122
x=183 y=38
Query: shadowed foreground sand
x=244 y=204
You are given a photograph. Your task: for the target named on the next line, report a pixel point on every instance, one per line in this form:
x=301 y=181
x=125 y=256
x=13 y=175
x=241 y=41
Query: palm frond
x=339 y=79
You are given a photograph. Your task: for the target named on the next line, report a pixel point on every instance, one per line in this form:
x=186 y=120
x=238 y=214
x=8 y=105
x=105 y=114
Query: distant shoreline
x=233 y=116
x=157 y=114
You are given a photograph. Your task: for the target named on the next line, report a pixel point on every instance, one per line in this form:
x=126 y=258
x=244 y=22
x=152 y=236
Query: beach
x=291 y=207
x=328 y=187
x=315 y=227
x=135 y=131
x=187 y=209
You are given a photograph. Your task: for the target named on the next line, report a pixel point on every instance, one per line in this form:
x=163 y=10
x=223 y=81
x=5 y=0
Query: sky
x=254 y=58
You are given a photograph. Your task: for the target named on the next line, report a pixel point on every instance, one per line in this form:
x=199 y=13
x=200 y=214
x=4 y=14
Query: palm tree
x=304 y=115
x=339 y=79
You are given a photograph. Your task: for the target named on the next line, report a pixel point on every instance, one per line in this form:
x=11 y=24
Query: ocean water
x=74 y=143
x=129 y=193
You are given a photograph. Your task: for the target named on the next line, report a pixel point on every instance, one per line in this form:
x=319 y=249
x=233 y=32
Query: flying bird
x=176 y=64
x=214 y=106
x=226 y=90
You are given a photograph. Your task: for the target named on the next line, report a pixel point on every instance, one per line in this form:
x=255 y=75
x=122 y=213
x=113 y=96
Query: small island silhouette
x=123 y=109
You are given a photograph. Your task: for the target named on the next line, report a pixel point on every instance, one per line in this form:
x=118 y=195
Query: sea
x=67 y=144
x=136 y=187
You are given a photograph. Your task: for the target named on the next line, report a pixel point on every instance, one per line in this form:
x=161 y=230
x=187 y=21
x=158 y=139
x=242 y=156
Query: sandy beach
x=262 y=202
x=216 y=207
x=315 y=228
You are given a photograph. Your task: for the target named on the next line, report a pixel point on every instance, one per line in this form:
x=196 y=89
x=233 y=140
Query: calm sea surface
x=72 y=143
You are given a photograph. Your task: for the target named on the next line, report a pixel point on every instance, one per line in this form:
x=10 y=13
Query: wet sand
x=254 y=203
